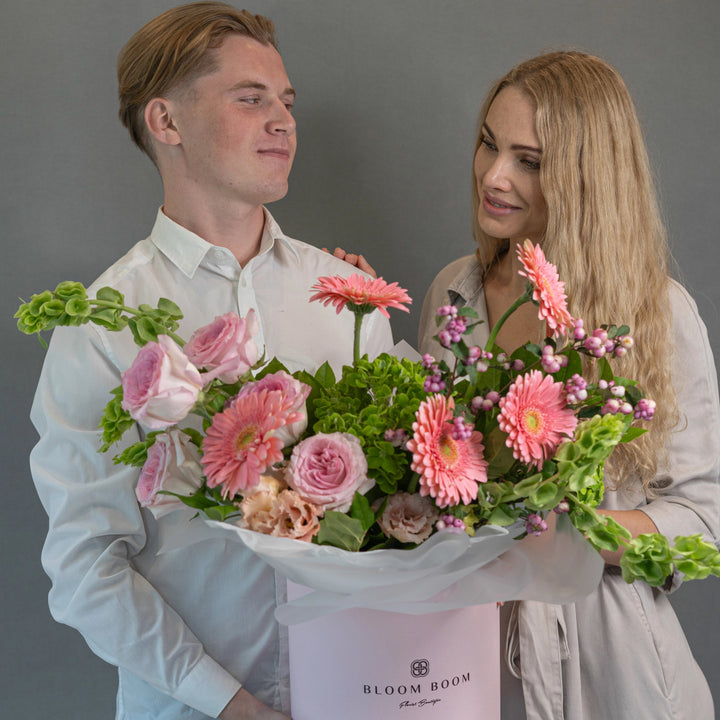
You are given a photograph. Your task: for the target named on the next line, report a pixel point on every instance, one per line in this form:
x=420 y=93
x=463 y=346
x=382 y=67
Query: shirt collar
x=466 y=285
x=187 y=250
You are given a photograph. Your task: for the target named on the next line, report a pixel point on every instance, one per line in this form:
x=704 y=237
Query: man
x=204 y=93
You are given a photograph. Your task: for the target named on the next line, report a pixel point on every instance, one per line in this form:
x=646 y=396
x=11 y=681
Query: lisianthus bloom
x=294 y=394
x=258 y=502
x=450 y=469
x=535 y=416
x=161 y=386
x=241 y=442
x=225 y=347
x=327 y=470
x=362 y=294
x=549 y=290
x=173 y=464
x=408 y=518
x=294 y=517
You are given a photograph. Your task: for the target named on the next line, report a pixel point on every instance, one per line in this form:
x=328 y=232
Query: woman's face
x=507 y=170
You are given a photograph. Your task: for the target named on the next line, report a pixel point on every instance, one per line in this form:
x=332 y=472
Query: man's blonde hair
x=174 y=49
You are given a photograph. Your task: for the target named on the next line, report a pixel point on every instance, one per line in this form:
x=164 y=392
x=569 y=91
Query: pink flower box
x=361 y=664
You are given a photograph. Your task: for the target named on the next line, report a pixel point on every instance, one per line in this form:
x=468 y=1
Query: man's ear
x=159 y=121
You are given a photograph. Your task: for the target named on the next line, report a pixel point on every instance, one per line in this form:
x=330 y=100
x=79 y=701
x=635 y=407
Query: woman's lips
x=496 y=207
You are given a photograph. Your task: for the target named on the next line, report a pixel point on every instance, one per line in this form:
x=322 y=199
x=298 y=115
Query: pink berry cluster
x=486 y=403
x=562 y=507
x=535 y=525
x=434 y=381
x=576 y=389
x=454 y=328
x=552 y=363
x=600 y=343
x=618 y=402
x=450 y=523
x=518 y=365
x=397 y=437
x=645 y=409
x=483 y=361
x=462 y=430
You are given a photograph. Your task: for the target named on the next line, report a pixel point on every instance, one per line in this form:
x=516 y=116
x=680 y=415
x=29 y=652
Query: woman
x=560 y=159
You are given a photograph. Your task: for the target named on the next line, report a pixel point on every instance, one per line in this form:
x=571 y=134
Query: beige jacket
x=620 y=652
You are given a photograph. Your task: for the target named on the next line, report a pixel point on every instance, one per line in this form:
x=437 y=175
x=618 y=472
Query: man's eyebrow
x=253 y=85
x=487 y=129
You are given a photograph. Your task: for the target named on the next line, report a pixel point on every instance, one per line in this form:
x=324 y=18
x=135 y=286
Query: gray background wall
x=388 y=92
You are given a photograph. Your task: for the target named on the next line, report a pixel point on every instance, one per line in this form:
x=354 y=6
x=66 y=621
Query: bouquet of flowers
x=394 y=451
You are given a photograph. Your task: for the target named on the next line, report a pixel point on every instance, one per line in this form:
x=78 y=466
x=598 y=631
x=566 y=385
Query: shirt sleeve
x=689 y=502
x=96 y=527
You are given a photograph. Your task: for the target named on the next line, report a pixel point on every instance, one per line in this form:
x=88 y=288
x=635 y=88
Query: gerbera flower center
x=533 y=421
x=245 y=438
x=448 y=448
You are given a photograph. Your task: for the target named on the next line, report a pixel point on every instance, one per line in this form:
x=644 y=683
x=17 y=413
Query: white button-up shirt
x=185 y=628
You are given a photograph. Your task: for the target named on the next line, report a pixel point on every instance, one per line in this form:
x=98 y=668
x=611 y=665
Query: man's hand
x=244 y=706
x=357 y=260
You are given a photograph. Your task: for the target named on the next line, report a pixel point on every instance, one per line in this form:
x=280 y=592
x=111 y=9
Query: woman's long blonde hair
x=604 y=231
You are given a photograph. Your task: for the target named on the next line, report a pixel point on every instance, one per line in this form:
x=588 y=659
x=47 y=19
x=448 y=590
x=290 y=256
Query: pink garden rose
x=328 y=469
x=225 y=347
x=409 y=518
x=173 y=463
x=294 y=395
x=161 y=386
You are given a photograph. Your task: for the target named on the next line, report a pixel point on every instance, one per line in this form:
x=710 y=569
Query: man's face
x=236 y=129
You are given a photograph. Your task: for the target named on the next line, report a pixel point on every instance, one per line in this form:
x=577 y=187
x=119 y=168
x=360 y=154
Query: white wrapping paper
x=447 y=571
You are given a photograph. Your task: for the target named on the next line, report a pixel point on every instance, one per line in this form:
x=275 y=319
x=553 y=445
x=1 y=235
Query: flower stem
x=356 y=342
x=132 y=311
x=525 y=297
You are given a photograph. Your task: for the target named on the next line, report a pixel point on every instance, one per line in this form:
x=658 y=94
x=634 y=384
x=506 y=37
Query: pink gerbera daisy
x=535 y=416
x=241 y=443
x=450 y=469
x=549 y=290
x=362 y=294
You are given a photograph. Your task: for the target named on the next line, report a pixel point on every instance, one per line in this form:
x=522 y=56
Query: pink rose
x=409 y=518
x=173 y=463
x=328 y=469
x=294 y=394
x=225 y=347
x=161 y=386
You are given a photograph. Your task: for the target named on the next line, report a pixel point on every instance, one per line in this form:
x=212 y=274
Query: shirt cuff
x=207 y=688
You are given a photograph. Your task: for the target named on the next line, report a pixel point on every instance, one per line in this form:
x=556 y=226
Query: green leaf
x=503 y=516
x=115 y=421
x=631 y=433
x=220 y=512
x=604 y=370
x=325 y=375
x=498 y=454
x=546 y=496
x=108 y=294
x=195 y=436
x=170 y=308
x=341 y=531
x=276 y=366
x=467 y=311
x=360 y=510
